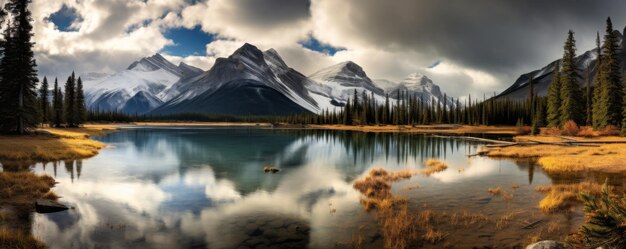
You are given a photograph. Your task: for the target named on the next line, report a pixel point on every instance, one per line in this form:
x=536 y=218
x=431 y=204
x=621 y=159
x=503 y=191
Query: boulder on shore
x=547 y=244
x=48 y=206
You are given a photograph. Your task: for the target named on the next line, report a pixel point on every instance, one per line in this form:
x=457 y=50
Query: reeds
x=434 y=166
x=561 y=197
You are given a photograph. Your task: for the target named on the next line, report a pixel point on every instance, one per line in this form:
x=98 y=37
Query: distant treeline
x=116 y=116
x=602 y=106
x=24 y=107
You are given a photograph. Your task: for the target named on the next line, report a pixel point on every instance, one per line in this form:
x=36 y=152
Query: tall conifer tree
x=18 y=76
x=554 y=98
x=70 y=101
x=81 y=110
x=571 y=97
x=44 y=106
x=612 y=92
x=57 y=104
x=596 y=106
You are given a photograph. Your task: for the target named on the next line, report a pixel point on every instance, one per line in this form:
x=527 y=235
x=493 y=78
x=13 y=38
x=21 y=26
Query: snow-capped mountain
x=542 y=77
x=418 y=85
x=331 y=87
x=142 y=82
x=249 y=82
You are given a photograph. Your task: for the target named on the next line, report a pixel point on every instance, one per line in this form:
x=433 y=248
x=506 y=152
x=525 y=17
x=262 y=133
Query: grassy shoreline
x=439 y=129
x=604 y=158
x=53 y=144
x=19 y=187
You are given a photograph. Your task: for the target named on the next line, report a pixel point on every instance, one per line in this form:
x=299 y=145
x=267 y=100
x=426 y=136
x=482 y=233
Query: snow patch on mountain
x=333 y=86
x=148 y=76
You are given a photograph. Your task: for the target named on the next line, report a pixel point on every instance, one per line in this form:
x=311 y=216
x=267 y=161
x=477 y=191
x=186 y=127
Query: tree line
x=67 y=108
x=18 y=76
x=602 y=106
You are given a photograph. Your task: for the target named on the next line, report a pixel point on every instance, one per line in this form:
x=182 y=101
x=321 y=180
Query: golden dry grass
x=467 y=219
x=561 y=197
x=610 y=158
x=205 y=124
x=15 y=239
x=464 y=129
x=60 y=144
x=434 y=166
x=23 y=187
x=495 y=191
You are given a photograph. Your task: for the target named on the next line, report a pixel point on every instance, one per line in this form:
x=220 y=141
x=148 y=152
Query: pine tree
x=70 y=101
x=537 y=122
x=596 y=113
x=606 y=216
x=44 y=106
x=531 y=96
x=588 y=113
x=57 y=104
x=571 y=96
x=18 y=74
x=81 y=110
x=554 y=98
x=611 y=93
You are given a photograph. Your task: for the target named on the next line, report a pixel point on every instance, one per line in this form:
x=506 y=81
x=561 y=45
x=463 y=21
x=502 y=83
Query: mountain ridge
x=249 y=79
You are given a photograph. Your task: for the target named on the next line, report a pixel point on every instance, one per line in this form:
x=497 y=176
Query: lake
x=166 y=187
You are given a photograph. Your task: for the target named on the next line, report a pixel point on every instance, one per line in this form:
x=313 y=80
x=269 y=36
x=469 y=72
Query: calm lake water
x=205 y=188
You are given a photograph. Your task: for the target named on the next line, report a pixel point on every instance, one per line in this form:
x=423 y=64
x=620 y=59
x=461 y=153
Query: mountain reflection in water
x=205 y=187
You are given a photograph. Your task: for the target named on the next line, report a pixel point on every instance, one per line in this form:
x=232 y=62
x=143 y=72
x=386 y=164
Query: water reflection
x=194 y=187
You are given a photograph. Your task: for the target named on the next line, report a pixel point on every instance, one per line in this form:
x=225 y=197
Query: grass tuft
x=434 y=166
x=561 y=197
x=15 y=239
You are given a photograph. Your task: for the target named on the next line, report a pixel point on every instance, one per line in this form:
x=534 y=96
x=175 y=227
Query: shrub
x=587 y=132
x=610 y=130
x=570 y=128
x=550 y=131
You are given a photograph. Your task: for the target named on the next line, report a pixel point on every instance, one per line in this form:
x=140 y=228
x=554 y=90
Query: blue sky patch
x=188 y=41
x=64 y=18
x=316 y=45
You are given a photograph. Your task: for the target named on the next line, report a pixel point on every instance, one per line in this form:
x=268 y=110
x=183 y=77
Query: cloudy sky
x=477 y=46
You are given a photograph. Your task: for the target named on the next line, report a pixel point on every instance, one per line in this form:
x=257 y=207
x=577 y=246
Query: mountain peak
x=417 y=79
x=248 y=51
x=153 y=63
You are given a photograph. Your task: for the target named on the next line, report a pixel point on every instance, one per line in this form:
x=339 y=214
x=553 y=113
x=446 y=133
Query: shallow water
x=205 y=187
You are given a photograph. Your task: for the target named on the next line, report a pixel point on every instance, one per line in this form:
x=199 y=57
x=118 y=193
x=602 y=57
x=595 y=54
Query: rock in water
x=271 y=169
x=547 y=244
x=48 y=206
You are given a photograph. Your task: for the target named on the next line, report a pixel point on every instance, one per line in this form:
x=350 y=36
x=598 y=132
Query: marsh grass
x=17 y=187
x=434 y=166
x=467 y=219
x=610 y=158
x=495 y=191
x=561 y=197
x=59 y=144
x=15 y=239
x=506 y=218
x=400 y=227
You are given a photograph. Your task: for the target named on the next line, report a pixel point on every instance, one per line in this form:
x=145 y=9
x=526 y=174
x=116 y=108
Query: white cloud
x=388 y=39
x=103 y=40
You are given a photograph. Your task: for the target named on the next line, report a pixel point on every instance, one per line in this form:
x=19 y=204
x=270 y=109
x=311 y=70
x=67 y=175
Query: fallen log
x=477 y=139
x=568 y=138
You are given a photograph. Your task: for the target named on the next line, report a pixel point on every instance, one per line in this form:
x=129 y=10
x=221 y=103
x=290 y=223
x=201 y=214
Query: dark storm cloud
x=272 y=12
x=499 y=37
